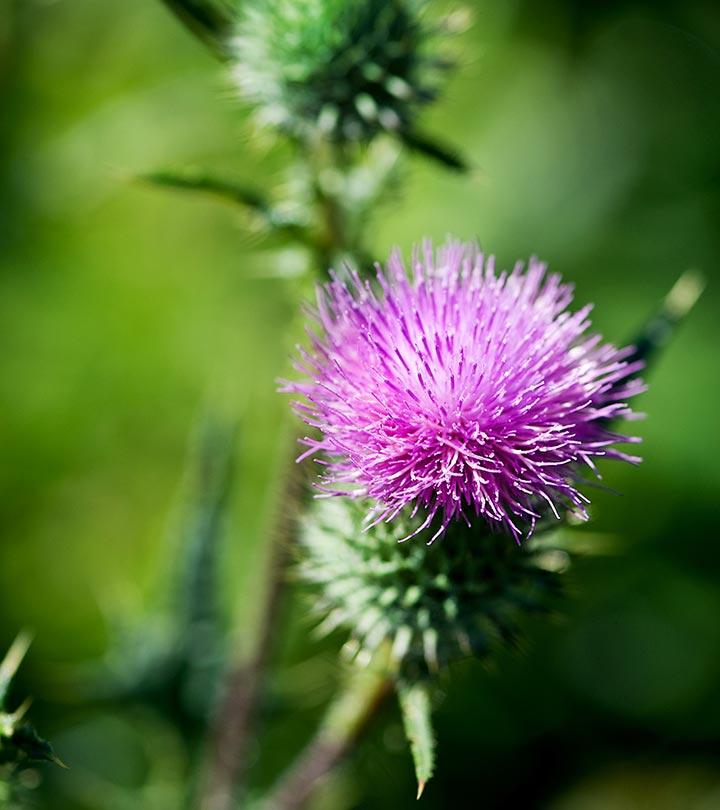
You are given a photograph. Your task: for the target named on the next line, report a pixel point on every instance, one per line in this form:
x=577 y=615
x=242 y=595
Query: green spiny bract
x=460 y=596
x=19 y=742
x=346 y=69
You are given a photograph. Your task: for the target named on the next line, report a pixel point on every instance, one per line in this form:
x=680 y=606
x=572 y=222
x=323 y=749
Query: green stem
x=226 y=759
x=231 y=729
x=267 y=215
x=673 y=310
x=333 y=238
x=343 y=723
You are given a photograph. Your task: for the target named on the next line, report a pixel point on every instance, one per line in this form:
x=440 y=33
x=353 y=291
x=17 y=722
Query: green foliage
x=416 y=709
x=341 y=69
x=674 y=309
x=461 y=596
x=171 y=659
x=25 y=744
x=445 y=155
x=598 y=154
x=270 y=218
x=19 y=742
x=194 y=180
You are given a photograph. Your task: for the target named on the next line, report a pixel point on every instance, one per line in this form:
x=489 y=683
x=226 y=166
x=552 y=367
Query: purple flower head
x=460 y=391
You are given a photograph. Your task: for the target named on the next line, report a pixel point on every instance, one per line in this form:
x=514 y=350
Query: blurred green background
x=597 y=129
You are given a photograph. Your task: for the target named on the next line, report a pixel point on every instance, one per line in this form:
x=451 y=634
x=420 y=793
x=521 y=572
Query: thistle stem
x=231 y=729
x=334 y=237
x=343 y=723
x=230 y=735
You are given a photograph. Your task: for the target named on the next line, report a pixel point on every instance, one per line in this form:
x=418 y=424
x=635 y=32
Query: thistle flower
x=460 y=391
x=345 y=68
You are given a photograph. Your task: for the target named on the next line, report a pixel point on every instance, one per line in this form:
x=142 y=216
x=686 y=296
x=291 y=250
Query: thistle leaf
x=197 y=180
x=209 y=477
x=446 y=156
x=674 y=308
x=19 y=741
x=171 y=658
x=416 y=712
x=26 y=744
x=271 y=219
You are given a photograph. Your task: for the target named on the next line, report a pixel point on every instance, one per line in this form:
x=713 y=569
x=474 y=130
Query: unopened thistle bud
x=346 y=69
x=431 y=604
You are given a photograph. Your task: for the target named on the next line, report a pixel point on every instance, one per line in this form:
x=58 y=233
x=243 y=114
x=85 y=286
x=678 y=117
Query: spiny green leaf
x=26 y=744
x=447 y=156
x=19 y=741
x=198 y=180
x=272 y=219
x=416 y=710
x=209 y=477
x=675 y=307
x=171 y=659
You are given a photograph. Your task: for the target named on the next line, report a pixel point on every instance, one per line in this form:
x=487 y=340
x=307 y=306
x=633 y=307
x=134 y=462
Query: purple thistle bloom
x=460 y=391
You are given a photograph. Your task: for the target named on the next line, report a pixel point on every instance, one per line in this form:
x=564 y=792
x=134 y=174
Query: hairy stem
x=231 y=729
x=334 y=237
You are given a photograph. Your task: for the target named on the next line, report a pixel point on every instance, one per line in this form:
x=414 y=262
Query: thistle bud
x=460 y=596
x=344 y=69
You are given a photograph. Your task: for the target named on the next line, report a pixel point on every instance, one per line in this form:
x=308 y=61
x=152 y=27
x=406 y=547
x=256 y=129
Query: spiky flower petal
x=461 y=391
x=345 y=68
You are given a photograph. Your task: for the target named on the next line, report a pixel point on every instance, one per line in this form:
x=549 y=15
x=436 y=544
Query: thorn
x=21 y=710
x=445 y=155
x=674 y=308
x=15 y=655
x=479 y=177
x=684 y=294
x=458 y=21
x=57 y=761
